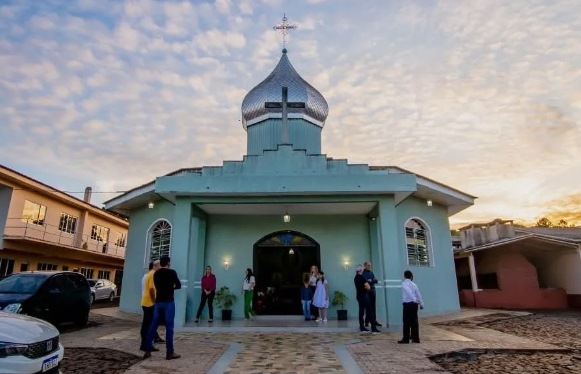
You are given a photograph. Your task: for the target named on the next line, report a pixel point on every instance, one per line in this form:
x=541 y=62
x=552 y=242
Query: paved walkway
x=275 y=345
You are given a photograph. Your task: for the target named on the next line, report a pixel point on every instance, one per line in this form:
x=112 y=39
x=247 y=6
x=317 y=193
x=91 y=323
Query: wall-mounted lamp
x=150 y=205
x=286 y=218
x=429 y=203
x=226 y=264
x=346 y=264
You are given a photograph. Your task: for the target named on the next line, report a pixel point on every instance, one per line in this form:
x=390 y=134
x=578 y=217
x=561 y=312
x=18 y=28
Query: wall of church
x=135 y=267
x=341 y=237
x=267 y=135
x=437 y=282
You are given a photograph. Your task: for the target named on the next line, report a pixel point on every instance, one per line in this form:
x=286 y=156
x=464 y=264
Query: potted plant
x=339 y=299
x=225 y=299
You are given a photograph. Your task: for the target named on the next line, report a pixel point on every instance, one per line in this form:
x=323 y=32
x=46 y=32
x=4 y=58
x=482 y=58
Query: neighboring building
x=285 y=207
x=503 y=266
x=46 y=229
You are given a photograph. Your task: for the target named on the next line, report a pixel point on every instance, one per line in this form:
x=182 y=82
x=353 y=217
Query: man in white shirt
x=411 y=299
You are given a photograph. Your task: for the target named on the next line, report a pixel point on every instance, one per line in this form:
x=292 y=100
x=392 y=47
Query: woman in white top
x=248 y=290
x=313 y=277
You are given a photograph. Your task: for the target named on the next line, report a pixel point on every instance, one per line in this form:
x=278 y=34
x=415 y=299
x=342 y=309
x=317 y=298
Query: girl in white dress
x=321 y=297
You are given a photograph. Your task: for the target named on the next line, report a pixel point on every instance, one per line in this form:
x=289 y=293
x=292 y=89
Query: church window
x=417 y=242
x=160 y=240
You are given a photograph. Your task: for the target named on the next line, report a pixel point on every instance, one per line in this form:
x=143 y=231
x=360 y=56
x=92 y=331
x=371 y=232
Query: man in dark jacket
x=166 y=281
x=372 y=281
x=363 y=291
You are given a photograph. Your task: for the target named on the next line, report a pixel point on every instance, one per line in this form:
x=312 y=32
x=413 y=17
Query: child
x=321 y=297
x=306 y=298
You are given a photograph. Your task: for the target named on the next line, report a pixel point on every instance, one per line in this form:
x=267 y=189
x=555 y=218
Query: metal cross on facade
x=284 y=105
x=284 y=28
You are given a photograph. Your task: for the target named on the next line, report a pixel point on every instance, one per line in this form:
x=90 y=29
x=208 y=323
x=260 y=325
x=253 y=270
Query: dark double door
x=279 y=272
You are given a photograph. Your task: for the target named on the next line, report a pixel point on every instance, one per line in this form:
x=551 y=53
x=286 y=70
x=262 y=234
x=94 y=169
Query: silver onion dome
x=254 y=110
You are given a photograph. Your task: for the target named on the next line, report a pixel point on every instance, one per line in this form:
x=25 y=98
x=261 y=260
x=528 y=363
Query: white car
x=102 y=289
x=28 y=345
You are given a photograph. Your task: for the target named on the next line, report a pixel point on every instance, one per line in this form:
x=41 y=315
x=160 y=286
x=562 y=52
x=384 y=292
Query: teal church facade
x=339 y=215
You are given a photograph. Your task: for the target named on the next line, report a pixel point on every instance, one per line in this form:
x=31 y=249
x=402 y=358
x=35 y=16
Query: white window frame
x=70 y=223
x=97 y=231
x=121 y=240
x=428 y=241
x=102 y=273
x=45 y=266
x=8 y=266
x=87 y=272
x=149 y=241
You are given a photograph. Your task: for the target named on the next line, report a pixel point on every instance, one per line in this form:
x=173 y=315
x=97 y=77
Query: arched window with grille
x=159 y=241
x=417 y=242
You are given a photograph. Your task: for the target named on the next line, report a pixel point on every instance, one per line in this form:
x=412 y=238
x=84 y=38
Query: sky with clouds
x=484 y=96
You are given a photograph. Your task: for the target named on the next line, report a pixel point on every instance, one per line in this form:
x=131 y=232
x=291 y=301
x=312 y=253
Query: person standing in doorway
x=411 y=299
x=321 y=297
x=248 y=291
x=371 y=315
x=363 y=289
x=306 y=298
x=147 y=303
x=313 y=277
x=166 y=281
x=208 y=293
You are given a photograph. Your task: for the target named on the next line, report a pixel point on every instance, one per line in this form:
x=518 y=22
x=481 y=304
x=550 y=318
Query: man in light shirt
x=147 y=302
x=411 y=299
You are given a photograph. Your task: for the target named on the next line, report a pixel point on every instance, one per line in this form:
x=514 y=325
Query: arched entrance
x=280 y=261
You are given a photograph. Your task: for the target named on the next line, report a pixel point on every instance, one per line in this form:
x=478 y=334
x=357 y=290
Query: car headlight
x=12 y=349
x=13 y=308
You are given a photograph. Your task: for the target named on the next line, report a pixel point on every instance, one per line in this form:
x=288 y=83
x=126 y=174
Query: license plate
x=50 y=363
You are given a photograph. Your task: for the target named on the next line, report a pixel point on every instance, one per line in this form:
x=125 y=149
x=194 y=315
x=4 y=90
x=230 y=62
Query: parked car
x=54 y=296
x=102 y=289
x=28 y=345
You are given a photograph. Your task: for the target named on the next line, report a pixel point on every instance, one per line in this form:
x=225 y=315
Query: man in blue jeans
x=166 y=281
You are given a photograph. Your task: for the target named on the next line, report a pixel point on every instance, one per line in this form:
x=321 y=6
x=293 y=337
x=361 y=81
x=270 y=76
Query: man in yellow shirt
x=147 y=303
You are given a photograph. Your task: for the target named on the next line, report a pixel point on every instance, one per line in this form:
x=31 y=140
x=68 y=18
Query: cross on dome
x=284 y=28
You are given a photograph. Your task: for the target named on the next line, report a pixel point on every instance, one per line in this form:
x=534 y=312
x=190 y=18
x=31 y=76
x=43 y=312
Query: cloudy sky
x=484 y=96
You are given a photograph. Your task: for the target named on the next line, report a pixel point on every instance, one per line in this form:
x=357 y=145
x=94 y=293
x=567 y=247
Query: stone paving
x=241 y=349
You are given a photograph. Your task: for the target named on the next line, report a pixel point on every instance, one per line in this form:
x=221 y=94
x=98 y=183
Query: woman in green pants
x=248 y=290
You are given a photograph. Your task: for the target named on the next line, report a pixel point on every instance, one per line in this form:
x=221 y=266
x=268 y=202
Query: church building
x=286 y=206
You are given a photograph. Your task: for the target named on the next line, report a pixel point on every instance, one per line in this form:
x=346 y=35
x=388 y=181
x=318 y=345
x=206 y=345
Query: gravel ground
x=561 y=328
x=96 y=361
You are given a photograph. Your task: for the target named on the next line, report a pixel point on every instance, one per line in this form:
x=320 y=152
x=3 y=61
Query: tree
x=544 y=222
x=562 y=223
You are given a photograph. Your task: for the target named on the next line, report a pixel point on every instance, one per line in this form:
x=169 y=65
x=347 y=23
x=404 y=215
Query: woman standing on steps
x=208 y=293
x=248 y=291
x=313 y=277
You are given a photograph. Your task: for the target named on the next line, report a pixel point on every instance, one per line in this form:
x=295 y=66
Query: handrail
x=44 y=232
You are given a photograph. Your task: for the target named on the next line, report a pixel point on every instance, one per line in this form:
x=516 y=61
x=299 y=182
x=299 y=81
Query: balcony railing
x=16 y=228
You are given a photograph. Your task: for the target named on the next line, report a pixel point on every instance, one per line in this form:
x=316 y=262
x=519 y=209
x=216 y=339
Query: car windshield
x=22 y=283
x=92 y=282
